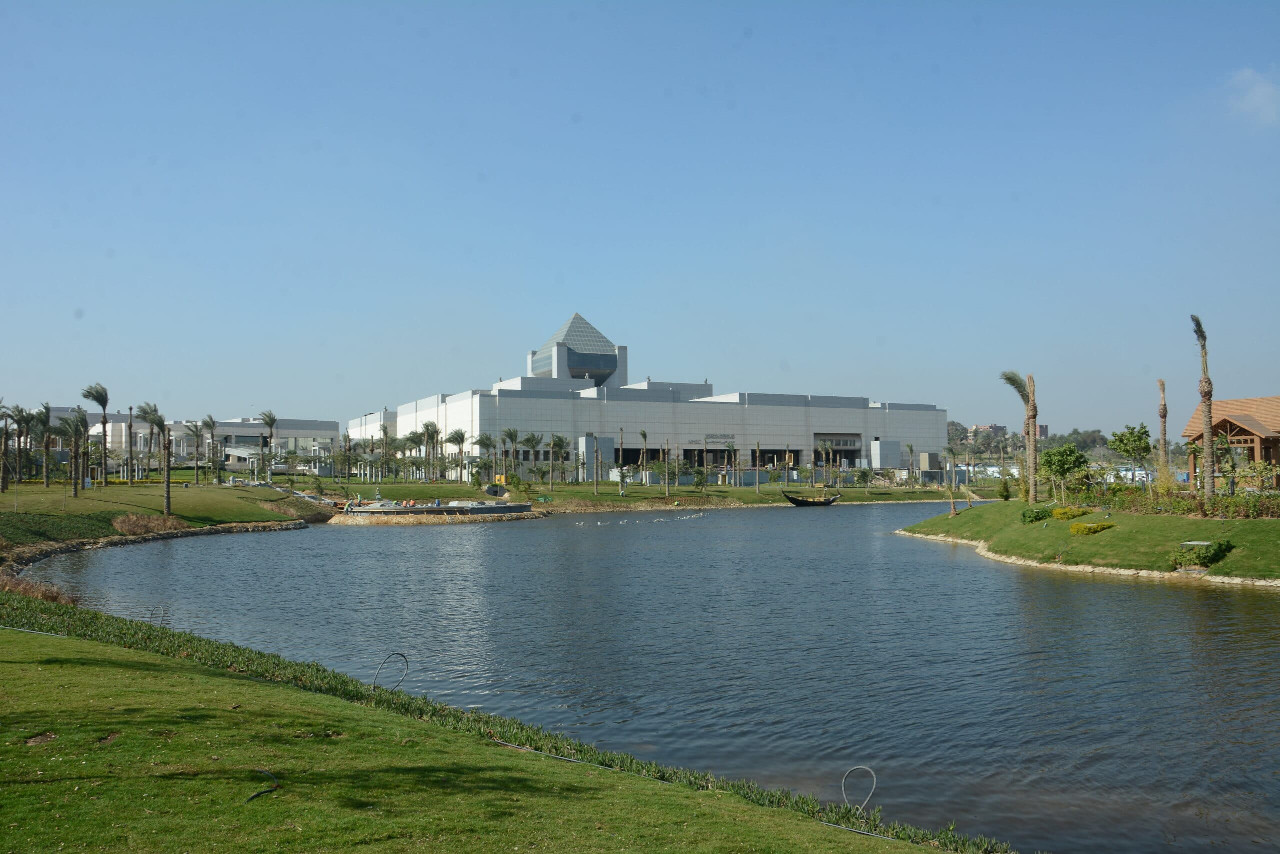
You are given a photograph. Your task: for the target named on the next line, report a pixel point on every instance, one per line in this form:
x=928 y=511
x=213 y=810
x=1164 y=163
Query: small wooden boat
x=811 y=502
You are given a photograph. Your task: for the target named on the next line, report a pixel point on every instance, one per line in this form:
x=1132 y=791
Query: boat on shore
x=826 y=501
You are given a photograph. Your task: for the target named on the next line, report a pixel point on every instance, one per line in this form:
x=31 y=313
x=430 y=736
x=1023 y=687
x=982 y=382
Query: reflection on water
x=1057 y=712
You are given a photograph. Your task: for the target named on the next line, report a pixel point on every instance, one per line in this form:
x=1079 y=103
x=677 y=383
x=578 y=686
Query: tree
x=98 y=394
x=644 y=455
x=75 y=427
x=1134 y=444
x=147 y=415
x=732 y=470
x=46 y=438
x=21 y=424
x=157 y=422
x=1061 y=463
x=510 y=435
x=431 y=435
x=457 y=438
x=1026 y=390
x=1206 y=411
x=196 y=431
x=210 y=425
x=559 y=447
x=269 y=421
x=532 y=442
x=486 y=443
x=956 y=432
x=1163 y=412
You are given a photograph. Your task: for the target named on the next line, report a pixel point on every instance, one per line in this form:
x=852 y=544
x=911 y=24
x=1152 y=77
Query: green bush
x=1034 y=514
x=1004 y=493
x=1068 y=513
x=1200 y=555
x=1085 y=528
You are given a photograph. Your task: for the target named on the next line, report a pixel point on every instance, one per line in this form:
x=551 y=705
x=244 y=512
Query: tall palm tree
x=146 y=414
x=129 y=445
x=644 y=456
x=98 y=394
x=1026 y=390
x=457 y=438
x=622 y=472
x=486 y=443
x=46 y=438
x=21 y=423
x=1206 y=412
x=729 y=449
x=431 y=432
x=559 y=445
x=532 y=442
x=210 y=425
x=4 y=447
x=1163 y=412
x=509 y=435
x=269 y=421
x=195 y=430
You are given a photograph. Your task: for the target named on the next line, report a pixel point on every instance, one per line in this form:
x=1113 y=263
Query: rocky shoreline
x=1184 y=577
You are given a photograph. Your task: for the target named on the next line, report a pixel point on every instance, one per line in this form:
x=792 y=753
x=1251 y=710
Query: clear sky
x=327 y=208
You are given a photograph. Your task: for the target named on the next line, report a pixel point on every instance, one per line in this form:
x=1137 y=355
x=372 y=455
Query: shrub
x=136 y=523
x=1205 y=555
x=1034 y=514
x=1068 y=513
x=1004 y=493
x=1086 y=528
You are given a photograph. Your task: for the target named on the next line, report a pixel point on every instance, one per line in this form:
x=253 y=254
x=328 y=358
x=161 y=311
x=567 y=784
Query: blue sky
x=325 y=208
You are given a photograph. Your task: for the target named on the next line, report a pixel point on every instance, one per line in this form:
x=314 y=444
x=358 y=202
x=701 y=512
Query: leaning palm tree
x=509 y=435
x=457 y=438
x=1206 y=412
x=1026 y=390
x=559 y=446
x=195 y=430
x=269 y=421
x=210 y=425
x=98 y=394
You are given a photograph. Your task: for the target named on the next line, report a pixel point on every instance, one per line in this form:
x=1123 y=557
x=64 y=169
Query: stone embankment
x=20 y=557
x=1194 y=577
x=363 y=519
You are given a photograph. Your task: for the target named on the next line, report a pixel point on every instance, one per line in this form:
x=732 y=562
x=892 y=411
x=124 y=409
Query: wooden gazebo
x=1247 y=422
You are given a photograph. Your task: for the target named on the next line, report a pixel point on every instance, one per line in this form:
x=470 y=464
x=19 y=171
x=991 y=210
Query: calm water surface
x=1055 y=712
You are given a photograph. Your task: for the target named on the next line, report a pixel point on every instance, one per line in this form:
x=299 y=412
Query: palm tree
x=457 y=438
x=146 y=414
x=729 y=448
x=98 y=394
x=431 y=434
x=46 y=438
x=196 y=431
x=532 y=442
x=509 y=435
x=4 y=447
x=644 y=455
x=269 y=421
x=210 y=425
x=559 y=446
x=486 y=443
x=21 y=422
x=129 y=445
x=1026 y=390
x=1206 y=412
x=1163 y=412
x=69 y=428
x=157 y=423
x=622 y=472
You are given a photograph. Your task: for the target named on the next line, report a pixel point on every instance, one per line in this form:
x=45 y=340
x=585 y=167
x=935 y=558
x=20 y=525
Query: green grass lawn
x=1137 y=542
x=29 y=513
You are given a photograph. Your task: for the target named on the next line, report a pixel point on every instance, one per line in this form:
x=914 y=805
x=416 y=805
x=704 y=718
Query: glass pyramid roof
x=580 y=336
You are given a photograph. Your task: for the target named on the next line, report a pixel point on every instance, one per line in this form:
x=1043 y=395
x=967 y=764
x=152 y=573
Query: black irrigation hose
x=404 y=658
x=275 y=784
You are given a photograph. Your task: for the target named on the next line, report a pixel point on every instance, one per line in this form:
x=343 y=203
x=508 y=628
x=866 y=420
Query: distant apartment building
x=369 y=425
x=1042 y=431
x=996 y=431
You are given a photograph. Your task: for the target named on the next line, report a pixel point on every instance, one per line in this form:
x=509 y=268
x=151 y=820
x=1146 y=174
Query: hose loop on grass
x=275 y=784
x=403 y=658
x=867 y=800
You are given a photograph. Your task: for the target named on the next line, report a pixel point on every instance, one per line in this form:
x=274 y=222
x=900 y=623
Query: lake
x=1052 y=710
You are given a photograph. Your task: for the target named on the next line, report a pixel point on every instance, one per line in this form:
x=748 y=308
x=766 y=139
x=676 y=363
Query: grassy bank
x=135 y=735
x=31 y=514
x=1136 y=542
